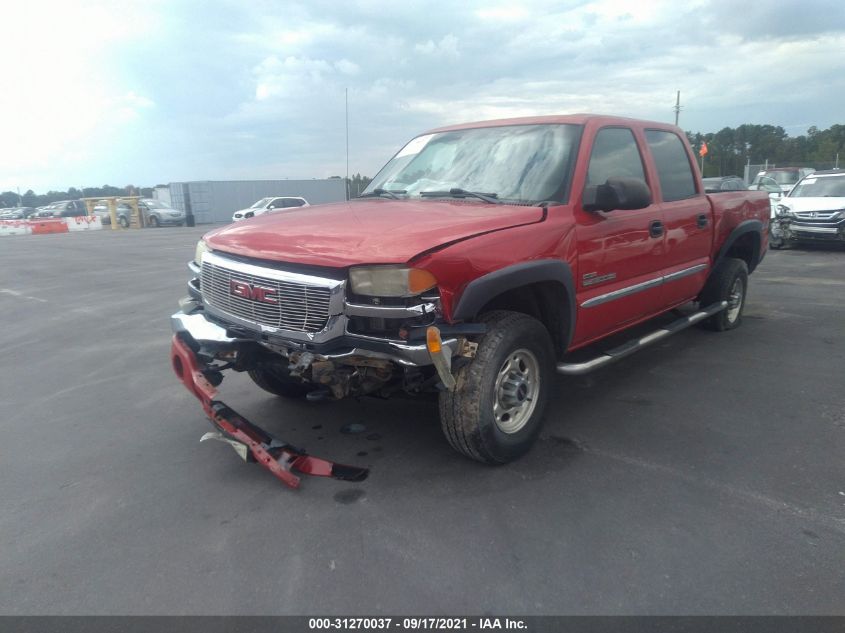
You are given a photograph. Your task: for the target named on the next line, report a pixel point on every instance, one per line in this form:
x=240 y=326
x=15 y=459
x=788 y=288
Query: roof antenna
x=346 y=97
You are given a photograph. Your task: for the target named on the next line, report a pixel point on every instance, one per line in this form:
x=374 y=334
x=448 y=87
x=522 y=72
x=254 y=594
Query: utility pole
x=346 y=97
x=677 y=107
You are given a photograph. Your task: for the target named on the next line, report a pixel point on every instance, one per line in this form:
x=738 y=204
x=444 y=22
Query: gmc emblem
x=244 y=290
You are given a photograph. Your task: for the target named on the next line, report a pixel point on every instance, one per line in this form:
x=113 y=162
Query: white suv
x=266 y=205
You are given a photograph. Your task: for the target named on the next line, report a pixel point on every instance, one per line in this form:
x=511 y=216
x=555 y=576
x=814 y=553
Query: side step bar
x=626 y=349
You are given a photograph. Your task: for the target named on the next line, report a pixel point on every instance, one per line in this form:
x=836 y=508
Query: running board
x=626 y=349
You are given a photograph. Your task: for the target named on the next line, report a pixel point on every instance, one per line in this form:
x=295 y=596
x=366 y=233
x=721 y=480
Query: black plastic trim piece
x=481 y=290
x=749 y=226
x=193 y=289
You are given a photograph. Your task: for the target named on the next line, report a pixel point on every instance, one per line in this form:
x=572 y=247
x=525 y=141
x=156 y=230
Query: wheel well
x=546 y=301
x=747 y=248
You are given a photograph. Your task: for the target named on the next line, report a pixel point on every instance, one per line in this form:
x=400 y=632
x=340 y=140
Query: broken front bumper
x=206 y=332
x=250 y=441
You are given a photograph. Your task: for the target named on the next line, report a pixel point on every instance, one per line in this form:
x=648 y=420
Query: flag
x=703 y=151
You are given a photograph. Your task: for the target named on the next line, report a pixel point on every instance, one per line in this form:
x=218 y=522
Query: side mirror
x=617 y=193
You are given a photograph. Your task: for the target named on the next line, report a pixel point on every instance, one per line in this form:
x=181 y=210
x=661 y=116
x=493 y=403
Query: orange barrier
x=41 y=227
x=50 y=225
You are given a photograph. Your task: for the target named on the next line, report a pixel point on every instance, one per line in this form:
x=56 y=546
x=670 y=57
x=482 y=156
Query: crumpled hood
x=371 y=231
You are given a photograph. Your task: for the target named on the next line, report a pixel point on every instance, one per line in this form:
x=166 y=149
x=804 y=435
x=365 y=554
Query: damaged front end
x=197 y=370
x=297 y=334
x=806 y=226
x=202 y=350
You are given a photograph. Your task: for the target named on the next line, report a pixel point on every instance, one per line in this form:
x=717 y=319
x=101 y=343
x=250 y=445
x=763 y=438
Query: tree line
x=730 y=149
x=32 y=199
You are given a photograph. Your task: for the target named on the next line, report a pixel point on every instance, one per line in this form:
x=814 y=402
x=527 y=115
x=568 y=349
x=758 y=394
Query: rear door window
x=673 y=167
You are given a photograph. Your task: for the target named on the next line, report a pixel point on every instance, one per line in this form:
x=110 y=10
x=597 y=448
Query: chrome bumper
x=204 y=331
x=809 y=228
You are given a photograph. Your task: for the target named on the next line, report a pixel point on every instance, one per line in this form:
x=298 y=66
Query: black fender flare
x=748 y=226
x=481 y=290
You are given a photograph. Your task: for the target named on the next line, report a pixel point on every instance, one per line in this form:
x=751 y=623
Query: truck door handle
x=701 y=220
x=655 y=229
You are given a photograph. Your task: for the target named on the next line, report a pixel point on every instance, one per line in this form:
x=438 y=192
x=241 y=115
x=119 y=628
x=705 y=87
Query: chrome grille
x=301 y=307
x=817 y=215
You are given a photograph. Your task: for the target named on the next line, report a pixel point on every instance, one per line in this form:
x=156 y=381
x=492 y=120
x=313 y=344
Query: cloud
x=447 y=47
x=259 y=90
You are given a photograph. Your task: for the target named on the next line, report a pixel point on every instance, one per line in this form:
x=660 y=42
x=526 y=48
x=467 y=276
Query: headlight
x=390 y=281
x=784 y=210
x=202 y=247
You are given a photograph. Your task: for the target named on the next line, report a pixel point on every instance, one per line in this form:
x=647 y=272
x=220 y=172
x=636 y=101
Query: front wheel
x=496 y=410
x=728 y=282
x=123 y=222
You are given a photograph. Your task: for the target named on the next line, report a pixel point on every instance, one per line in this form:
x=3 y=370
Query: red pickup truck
x=478 y=258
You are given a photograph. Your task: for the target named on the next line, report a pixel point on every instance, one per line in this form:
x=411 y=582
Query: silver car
x=155 y=212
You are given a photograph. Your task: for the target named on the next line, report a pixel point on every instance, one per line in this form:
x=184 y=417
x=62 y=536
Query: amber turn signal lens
x=420 y=280
x=432 y=340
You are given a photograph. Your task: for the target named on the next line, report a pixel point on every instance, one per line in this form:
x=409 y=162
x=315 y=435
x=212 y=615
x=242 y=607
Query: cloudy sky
x=146 y=92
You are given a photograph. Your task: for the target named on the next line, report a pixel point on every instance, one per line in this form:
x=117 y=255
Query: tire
x=123 y=221
x=278 y=383
x=154 y=223
x=729 y=282
x=487 y=419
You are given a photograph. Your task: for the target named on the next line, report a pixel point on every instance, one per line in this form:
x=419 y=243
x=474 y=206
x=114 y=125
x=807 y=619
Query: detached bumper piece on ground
x=249 y=441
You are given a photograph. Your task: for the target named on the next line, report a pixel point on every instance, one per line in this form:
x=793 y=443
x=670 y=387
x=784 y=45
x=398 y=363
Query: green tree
x=9 y=199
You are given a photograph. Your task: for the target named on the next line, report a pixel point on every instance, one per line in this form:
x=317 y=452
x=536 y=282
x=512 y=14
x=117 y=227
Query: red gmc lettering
x=254 y=293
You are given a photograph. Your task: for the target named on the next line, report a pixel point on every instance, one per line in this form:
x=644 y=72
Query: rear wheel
x=123 y=221
x=154 y=222
x=278 y=382
x=729 y=282
x=496 y=410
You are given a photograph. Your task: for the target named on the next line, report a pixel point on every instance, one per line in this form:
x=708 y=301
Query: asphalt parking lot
x=706 y=475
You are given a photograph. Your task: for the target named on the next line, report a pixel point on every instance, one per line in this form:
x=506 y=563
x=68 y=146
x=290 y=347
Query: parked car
x=476 y=260
x=723 y=183
x=101 y=210
x=16 y=213
x=266 y=205
x=785 y=177
x=47 y=211
x=155 y=213
x=813 y=211
x=68 y=208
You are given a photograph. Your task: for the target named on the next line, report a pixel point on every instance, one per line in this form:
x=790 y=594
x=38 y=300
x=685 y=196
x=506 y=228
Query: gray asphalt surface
x=706 y=475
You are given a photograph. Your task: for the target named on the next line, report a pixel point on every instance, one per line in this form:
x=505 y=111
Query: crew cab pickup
x=478 y=258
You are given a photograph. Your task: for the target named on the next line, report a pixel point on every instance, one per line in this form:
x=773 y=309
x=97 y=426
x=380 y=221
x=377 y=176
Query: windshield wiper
x=390 y=193
x=492 y=198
